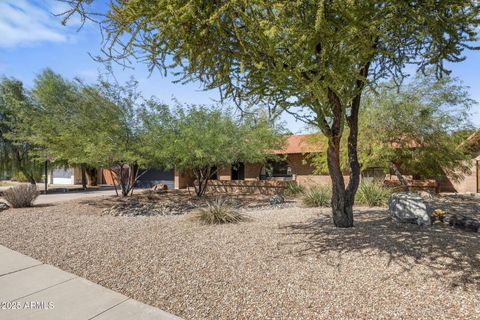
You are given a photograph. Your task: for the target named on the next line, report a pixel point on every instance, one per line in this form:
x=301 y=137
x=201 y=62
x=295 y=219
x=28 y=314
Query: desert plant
x=319 y=196
x=21 y=196
x=218 y=212
x=293 y=189
x=372 y=194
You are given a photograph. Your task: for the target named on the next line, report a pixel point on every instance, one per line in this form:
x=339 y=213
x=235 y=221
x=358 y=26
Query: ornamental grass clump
x=293 y=189
x=319 y=196
x=218 y=212
x=372 y=194
x=21 y=196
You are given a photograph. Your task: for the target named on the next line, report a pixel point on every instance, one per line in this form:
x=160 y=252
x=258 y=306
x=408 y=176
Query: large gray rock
x=409 y=207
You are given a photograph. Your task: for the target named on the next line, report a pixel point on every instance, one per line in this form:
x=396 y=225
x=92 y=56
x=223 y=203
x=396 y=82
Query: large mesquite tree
x=313 y=58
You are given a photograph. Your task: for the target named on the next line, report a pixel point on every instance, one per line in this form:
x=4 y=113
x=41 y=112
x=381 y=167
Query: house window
x=276 y=169
x=238 y=171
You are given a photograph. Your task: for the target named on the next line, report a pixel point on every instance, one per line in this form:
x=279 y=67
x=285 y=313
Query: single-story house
x=293 y=164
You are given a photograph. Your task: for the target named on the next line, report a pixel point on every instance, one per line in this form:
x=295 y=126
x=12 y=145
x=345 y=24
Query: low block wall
x=268 y=187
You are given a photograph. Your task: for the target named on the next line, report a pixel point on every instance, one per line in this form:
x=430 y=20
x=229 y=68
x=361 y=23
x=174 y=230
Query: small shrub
x=218 y=212
x=21 y=196
x=293 y=189
x=372 y=194
x=320 y=196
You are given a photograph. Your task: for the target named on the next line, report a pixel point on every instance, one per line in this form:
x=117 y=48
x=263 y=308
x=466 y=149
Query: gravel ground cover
x=285 y=263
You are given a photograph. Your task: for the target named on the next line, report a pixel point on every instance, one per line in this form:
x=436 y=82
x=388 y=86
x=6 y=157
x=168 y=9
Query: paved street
x=30 y=289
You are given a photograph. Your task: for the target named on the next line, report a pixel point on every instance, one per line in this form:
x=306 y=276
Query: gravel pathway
x=285 y=264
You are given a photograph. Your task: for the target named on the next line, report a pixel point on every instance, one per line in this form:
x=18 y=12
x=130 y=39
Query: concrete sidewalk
x=30 y=289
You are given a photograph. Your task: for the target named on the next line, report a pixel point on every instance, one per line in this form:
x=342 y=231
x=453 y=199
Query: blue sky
x=33 y=39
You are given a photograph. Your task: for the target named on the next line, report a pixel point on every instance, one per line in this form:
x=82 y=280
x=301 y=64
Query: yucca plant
x=372 y=194
x=293 y=189
x=21 y=196
x=319 y=196
x=218 y=212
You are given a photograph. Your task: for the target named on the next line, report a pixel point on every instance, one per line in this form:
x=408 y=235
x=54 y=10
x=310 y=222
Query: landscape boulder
x=276 y=199
x=160 y=187
x=410 y=208
x=4 y=206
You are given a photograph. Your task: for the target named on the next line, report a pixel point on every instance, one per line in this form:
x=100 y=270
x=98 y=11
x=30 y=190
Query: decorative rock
x=160 y=187
x=409 y=207
x=276 y=200
x=4 y=206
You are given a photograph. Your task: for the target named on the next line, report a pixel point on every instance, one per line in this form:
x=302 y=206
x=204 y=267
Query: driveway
x=67 y=196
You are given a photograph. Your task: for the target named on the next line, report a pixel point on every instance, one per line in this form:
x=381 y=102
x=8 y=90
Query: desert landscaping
x=285 y=261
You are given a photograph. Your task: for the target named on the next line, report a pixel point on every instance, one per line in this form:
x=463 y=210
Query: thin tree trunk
x=400 y=177
x=113 y=180
x=84 y=177
x=46 y=176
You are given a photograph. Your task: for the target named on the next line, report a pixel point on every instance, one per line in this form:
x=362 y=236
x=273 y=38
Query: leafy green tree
x=61 y=121
x=198 y=139
x=16 y=153
x=416 y=129
x=312 y=57
x=91 y=126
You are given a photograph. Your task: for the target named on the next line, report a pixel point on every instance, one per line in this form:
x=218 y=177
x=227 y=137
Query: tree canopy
x=199 y=139
x=16 y=153
x=416 y=129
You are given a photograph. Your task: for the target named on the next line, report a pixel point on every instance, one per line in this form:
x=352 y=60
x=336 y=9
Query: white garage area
x=62 y=176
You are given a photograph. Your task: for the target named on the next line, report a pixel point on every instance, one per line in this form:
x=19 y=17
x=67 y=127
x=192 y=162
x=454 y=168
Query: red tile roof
x=301 y=143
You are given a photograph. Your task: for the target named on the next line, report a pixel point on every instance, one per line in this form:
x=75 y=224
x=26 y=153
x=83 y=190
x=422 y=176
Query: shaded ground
x=285 y=263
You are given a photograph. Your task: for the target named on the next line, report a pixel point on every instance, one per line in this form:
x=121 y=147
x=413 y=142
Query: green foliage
x=420 y=127
x=416 y=127
x=293 y=189
x=218 y=212
x=197 y=139
x=21 y=196
x=17 y=154
x=319 y=196
x=372 y=194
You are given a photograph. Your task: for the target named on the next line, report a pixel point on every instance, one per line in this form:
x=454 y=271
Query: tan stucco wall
x=299 y=165
x=469 y=183
x=252 y=171
x=224 y=173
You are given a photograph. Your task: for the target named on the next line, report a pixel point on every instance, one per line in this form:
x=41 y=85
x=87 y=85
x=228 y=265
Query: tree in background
x=313 y=58
x=198 y=139
x=16 y=153
x=416 y=129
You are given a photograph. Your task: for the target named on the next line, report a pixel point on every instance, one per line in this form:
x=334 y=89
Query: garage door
x=156 y=176
x=62 y=176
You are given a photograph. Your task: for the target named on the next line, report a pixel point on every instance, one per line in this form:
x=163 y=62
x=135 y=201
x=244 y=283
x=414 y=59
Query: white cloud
x=23 y=22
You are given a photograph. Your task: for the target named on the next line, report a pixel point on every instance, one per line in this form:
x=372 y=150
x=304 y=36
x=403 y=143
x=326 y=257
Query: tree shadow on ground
x=451 y=254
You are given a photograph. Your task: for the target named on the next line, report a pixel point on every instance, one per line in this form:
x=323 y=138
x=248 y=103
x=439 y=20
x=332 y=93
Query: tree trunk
x=400 y=177
x=84 y=177
x=46 y=176
x=342 y=213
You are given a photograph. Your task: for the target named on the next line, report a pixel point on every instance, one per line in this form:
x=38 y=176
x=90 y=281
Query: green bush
x=218 y=212
x=372 y=194
x=319 y=196
x=21 y=196
x=293 y=189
